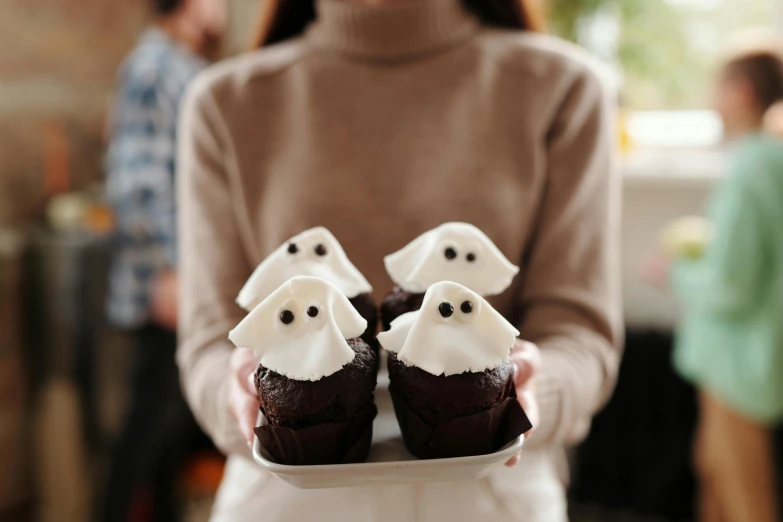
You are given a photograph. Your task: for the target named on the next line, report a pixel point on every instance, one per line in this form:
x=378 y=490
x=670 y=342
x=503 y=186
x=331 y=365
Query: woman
x=380 y=122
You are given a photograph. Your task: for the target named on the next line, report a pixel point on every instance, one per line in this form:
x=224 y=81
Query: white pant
x=529 y=492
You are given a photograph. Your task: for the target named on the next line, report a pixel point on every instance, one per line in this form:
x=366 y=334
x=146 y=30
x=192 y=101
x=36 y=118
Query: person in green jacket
x=730 y=341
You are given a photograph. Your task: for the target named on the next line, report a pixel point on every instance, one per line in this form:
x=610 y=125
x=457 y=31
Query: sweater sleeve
x=570 y=297
x=726 y=280
x=213 y=267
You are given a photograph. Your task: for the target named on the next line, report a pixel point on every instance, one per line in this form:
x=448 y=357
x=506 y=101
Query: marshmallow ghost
x=314 y=252
x=300 y=330
x=457 y=252
x=455 y=331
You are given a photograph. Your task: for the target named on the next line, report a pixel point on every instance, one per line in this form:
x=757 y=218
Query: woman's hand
x=243 y=399
x=163 y=299
x=527 y=361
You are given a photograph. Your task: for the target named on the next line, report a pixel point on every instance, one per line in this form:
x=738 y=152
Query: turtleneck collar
x=390 y=32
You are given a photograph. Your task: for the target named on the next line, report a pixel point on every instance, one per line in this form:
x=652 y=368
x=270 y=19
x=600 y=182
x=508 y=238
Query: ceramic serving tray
x=388 y=462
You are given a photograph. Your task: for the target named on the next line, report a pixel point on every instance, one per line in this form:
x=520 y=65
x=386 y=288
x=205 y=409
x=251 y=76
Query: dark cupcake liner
x=333 y=443
x=477 y=434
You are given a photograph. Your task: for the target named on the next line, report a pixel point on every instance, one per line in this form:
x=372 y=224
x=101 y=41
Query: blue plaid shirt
x=141 y=165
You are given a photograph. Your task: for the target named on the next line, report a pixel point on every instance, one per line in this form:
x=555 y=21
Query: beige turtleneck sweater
x=381 y=123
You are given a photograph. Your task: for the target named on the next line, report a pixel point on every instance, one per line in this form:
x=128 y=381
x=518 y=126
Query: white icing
x=308 y=348
x=423 y=262
x=281 y=265
x=464 y=342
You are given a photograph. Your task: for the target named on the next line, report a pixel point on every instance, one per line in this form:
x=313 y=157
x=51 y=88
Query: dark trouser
x=158 y=434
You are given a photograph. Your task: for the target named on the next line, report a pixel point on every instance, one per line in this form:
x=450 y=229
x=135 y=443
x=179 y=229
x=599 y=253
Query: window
x=663 y=54
x=664 y=51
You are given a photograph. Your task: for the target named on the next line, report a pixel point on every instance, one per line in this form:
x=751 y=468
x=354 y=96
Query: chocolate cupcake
x=439 y=398
x=365 y=305
x=314 y=252
x=297 y=404
x=451 y=379
x=398 y=302
x=316 y=377
x=457 y=252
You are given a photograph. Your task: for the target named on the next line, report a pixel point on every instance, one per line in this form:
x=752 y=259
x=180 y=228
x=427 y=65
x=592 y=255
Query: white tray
x=388 y=462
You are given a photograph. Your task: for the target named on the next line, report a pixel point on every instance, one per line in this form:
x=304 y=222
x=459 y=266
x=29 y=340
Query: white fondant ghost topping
x=300 y=330
x=314 y=252
x=456 y=331
x=457 y=252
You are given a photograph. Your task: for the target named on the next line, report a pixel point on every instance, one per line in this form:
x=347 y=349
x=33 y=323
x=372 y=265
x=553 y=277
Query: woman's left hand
x=527 y=360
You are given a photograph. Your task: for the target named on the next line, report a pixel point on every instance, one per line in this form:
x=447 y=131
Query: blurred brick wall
x=58 y=60
x=57 y=65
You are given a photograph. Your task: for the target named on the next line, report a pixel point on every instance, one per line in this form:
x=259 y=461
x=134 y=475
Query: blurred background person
x=730 y=341
x=159 y=428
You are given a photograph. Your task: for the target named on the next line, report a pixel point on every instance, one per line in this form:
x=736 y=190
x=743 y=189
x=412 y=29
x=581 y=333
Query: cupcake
x=316 y=377
x=314 y=252
x=451 y=379
x=457 y=252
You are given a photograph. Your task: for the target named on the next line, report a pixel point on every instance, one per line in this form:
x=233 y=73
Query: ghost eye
x=446 y=309
x=312 y=311
x=450 y=253
x=470 y=306
x=292 y=248
x=286 y=317
x=320 y=249
x=471 y=257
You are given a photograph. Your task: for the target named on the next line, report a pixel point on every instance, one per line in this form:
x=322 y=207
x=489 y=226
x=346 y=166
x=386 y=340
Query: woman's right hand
x=243 y=399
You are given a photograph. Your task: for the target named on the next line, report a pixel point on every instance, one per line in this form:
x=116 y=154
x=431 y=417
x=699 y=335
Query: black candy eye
x=312 y=311
x=292 y=248
x=466 y=307
x=450 y=253
x=446 y=309
x=286 y=317
x=470 y=257
x=320 y=249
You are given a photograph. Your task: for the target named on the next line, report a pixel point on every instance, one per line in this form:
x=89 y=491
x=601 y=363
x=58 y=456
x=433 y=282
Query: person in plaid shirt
x=140 y=184
x=159 y=429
